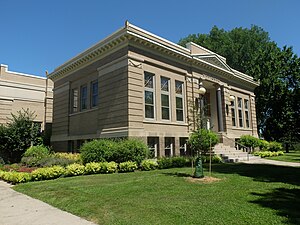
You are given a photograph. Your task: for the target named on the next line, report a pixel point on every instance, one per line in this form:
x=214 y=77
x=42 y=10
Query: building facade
x=137 y=84
x=23 y=91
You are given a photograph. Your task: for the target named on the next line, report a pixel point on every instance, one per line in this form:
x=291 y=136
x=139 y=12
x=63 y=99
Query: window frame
x=152 y=90
x=179 y=96
x=83 y=98
x=74 y=102
x=246 y=112
x=94 y=96
x=240 y=112
x=166 y=93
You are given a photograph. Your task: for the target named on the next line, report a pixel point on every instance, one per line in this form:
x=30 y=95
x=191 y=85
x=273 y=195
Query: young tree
x=19 y=134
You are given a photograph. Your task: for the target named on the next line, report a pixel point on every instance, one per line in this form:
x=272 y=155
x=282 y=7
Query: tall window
x=74 y=100
x=165 y=102
x=233 y=119
x=246 y=107
x=149 y=95
x=179 y=100
x=94 y=93
x=240 y=112
x=83 y=97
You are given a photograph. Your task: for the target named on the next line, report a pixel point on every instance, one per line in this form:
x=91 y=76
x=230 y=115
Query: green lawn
x=246 y=194
x=292 y=156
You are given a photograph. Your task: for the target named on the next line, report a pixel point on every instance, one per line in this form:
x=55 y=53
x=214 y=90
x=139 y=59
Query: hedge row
x=76 y=169
x=264 y=154
x=253 y=142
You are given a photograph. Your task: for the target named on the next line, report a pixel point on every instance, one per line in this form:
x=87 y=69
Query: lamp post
x=198 y=167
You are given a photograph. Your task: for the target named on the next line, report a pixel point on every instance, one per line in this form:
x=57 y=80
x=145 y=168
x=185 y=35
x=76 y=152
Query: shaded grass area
x=292 y=156
x=246 y=194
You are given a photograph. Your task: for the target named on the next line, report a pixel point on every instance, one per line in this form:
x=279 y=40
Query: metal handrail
x=237 y=143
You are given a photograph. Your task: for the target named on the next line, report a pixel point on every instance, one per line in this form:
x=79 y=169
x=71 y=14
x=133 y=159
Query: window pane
x=246 y=104
x=149 y=97
x=149 y=111
x=178 y=87
x=233 y=117
x=84 y=97
x=239 y=102
x=240 y=118
x=165 y=113
x=164 y=84
x=165 y=100
x=179 y=115
x=179 y=104
x=148 y=79
x=94 y=93
x=75 y=100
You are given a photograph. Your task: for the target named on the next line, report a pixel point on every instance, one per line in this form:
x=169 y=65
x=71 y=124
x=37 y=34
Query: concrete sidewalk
x=271 y=162
x=19 y=209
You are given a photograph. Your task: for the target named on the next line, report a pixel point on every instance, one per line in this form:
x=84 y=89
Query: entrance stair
x=231 y=154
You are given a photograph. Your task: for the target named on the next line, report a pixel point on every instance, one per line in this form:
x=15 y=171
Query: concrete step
x=230 y=154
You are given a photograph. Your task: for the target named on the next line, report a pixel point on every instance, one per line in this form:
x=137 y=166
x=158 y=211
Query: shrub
x=264 y=154
x=34 y=154
x=263 y=145
x=128 y=166
x=178 y=161
x=94 y=168
x=249 y=141
x=97 y=151
x=74 y=157
x=15 y=177
x=275 y=146
x=164 y=163
x=74 y=170
x=17 y=135
x=202 y=140
x=39 y=151
x=131 y=150
x=149 y=164
x=47 y=173
x=111 y=167
x=53 y=161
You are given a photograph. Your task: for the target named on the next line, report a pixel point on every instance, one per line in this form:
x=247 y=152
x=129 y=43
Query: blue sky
x=39 y=35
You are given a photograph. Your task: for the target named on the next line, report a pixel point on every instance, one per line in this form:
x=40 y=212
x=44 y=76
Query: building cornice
x=133 y=34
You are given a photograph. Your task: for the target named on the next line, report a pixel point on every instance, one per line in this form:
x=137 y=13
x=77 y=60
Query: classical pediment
x=215 y=60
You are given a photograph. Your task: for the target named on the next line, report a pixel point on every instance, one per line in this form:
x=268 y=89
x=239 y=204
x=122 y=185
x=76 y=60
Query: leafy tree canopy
x=278 y=70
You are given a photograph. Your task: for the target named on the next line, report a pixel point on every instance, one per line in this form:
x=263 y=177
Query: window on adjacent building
x=165 y=101
x=83 y=97
x=179 y=100
x=74 y=100
x=94 y=93
x=246 y=107
x=240 y=112
x=149 y=95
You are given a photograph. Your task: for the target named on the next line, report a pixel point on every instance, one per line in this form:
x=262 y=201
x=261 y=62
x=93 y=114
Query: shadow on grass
x=262 y=172
x=285 y=201
x=178 y=174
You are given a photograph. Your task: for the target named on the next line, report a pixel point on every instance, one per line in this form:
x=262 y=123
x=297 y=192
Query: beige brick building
x=137 y=84
x=23 y=91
